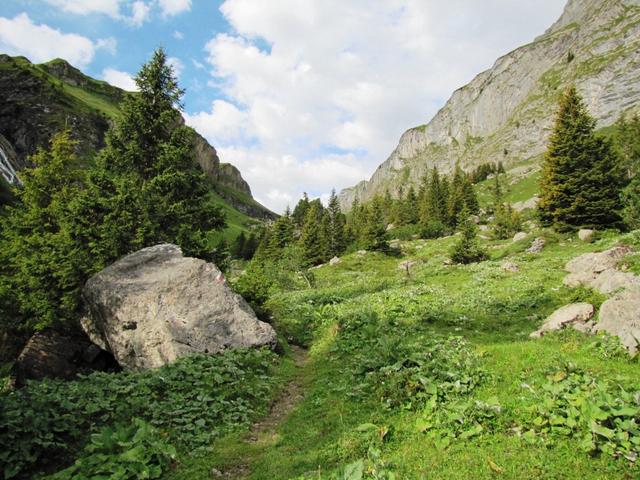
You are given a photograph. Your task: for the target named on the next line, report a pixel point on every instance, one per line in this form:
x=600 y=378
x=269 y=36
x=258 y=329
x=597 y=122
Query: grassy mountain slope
x=368 y=325
x=40 y=100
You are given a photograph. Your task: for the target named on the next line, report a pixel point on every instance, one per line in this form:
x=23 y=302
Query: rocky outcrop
x=537 y=245
x=586 y=269
x=50 y=354
x=620 y=316
x=506 y=112
x=154 y=306
x=576 y=315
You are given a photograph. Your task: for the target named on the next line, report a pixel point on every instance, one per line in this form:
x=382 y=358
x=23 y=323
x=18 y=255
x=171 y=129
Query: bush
x=433 y=229
x=468 y=249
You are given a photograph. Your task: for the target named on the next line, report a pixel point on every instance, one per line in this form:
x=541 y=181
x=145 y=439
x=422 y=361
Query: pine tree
x=375 y=229
x=456 y=198
x=628 y=142
x=146 y=187
x=41 y=268
x=467 y=249
x=336 y=228
x=581 y=176
x=300 y=210
x=409 y=208
x=312 y=243
x=469 y=194
x=281 y=235
x=238 y=245
x=250 y=246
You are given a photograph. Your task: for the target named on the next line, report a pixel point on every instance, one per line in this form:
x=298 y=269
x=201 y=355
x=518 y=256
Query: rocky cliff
x=506 y=112
x=36 y=101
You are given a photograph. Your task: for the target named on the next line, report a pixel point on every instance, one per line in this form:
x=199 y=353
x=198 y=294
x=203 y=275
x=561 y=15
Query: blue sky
x=301 y=95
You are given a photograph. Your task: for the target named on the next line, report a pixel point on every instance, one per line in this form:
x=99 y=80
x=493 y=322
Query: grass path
x=265 y=431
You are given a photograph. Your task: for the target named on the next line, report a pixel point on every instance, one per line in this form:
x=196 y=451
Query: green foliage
x=374 y=237
x=127 y=452
x=42 y=268
x=581 y=175
x=313 y=241
x=192 y=401
x=628 y=142
x=468 y=249
x=603 y=418
x=336 y=240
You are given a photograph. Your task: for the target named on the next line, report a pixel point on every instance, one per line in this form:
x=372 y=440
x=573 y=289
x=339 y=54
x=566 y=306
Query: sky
x=300 y=95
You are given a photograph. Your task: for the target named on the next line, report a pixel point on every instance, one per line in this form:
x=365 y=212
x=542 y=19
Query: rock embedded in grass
x=586 y=235
x=620 y=316
x=574 y=314
x=519 y=236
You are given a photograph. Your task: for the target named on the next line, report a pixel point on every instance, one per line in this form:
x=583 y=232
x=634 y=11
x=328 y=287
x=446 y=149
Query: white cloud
x=174 y=7
x=178 y=35
x=197 y=64
x=177 y=65
x=139 y=13
x=40 y=43
x=345 y=76
x=119 y=79
x=109 y=44
x=88 y=7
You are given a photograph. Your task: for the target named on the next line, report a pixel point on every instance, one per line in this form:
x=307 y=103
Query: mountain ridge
x=505 y=113
x=38 y=100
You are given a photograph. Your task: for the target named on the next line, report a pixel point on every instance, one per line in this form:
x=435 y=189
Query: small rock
x=537 y=245
x=415 y=236
x=483 y=228
x=569 y=314
x=519 y=236
x=448 y=262
x=510 y=267
x=335 y=261
x=586 y=235
x=395 y=244
x=525 y=204
x=215 y=473
x=361 y=252
x=391 y=226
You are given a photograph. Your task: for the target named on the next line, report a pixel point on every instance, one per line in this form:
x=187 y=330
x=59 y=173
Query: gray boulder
x=586 y=235
x=537 y=245
x=510 y=267
x=577 y=314
x=519 y=236
x=335 y=261
x=620 y=316
x=598 y=271
x=154 y=306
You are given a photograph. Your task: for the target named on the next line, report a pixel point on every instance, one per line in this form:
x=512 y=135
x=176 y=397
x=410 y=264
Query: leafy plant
x=134 y=451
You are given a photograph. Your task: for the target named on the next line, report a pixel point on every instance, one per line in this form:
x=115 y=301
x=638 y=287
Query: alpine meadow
x=469 y=311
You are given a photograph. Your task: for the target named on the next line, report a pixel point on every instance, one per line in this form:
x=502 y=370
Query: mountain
x=505 y=113
x=36 y=101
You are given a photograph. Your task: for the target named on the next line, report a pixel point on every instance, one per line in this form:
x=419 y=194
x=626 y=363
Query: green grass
x=236 y=221
x=367 y=300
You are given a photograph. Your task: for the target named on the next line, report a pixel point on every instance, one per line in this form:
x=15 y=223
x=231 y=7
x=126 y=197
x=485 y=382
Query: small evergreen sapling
x=467 y=249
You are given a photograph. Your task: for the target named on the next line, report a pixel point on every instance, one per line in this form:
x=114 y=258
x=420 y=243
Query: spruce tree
x=409 y=208
x=336 y=229
x=628 y=142
x=238 y=245
x=581 y=176
x=146 y=187
x=300 y=210
x=375 y=229
x=281 y=235
x=312 y=243
x=456 y=198
x=467 y=249
x=469 y=194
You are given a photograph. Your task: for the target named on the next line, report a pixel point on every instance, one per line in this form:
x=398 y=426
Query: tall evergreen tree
x=628 y=142
x=456 y=198
x=336 y=229
x=312 y=243
x=581 y=176
x=375 y=229
x=146 y=187
x=300 y=210
x=281 y=235
x=409 y=212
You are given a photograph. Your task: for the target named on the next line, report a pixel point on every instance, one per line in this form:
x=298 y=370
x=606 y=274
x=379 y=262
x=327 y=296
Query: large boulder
x=620 y=316
x=586 y=235
x=537 y=245
x=576 y=314
x=50 y=354
x=154 y=306
x=598 y=270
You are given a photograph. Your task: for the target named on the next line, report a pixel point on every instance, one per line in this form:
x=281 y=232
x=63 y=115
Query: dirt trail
x=264 y=431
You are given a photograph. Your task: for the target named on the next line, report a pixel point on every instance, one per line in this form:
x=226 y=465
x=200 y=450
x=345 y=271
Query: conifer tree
x=313 y=246
x=281 y=235
x=467 y=249
x=456 y=198
x=409 y=208
x=628 y=142
x=300 y=210
x=250 y=246
x=146 y=187
x=336 y=229
x=41 y=268
x=581 y=176
x=238 y=245
x=469 y=194
x=375 y=229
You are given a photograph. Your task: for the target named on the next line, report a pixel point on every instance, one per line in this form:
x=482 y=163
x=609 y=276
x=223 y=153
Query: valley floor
x=432 y=374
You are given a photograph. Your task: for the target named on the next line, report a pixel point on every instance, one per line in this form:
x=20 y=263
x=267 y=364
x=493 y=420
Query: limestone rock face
x=576 y=313
x=154 y=306
x=506 y=112
x=620 y=316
